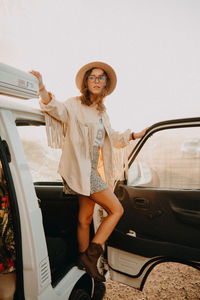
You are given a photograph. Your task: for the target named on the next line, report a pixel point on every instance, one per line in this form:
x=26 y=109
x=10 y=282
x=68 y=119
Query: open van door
x=161 y=201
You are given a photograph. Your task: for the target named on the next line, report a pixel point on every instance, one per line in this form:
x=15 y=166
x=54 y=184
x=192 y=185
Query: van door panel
x=161 y=201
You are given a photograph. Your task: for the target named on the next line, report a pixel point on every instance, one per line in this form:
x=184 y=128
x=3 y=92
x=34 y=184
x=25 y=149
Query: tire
x=79 y=294
x=99 y=290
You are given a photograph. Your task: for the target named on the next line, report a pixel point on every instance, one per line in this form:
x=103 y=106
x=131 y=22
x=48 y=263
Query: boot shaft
x=88 y=260
x=94 y=251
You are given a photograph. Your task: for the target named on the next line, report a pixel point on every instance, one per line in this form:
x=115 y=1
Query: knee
x=7 y=286
x=85 y=220
x=6 y=295
x=119 y=210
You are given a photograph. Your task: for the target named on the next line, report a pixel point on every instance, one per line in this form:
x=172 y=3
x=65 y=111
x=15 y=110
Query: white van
x=161 y=221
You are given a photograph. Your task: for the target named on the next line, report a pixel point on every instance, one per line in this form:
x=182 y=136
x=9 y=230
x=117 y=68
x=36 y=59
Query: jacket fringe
x=55 y=131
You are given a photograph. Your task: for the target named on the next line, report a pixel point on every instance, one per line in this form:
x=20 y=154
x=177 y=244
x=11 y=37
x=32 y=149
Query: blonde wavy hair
x=85 y=94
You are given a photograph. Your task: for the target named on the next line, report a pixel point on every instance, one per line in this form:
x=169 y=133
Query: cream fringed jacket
x=72 y=127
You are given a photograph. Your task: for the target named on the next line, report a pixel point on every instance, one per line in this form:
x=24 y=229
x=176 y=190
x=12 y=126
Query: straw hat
x=100 y=65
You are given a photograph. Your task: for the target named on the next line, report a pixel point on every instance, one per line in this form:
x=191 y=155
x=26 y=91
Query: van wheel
x=79 y=294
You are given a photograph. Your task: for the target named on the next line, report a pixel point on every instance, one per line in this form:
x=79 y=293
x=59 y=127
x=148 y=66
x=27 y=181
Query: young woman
x=81 y=127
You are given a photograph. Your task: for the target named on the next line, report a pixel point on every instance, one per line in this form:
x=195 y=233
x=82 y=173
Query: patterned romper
x=96 y=183
x=7 y=242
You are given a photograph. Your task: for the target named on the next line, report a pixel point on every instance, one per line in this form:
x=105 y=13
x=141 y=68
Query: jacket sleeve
x=56 y=118
x=119 y=140
x=57 y=110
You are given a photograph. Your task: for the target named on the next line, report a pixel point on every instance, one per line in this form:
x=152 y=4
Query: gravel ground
x=169 y=281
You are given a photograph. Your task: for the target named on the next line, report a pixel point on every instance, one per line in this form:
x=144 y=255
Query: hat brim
x=100 y=65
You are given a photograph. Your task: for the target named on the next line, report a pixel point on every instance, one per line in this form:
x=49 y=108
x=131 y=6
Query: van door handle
x=141 y=203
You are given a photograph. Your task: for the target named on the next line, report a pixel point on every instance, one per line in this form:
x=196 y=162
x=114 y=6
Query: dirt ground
x=169 y=281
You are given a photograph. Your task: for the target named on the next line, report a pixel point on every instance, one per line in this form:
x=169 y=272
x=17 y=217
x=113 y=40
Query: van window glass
x=169 y=159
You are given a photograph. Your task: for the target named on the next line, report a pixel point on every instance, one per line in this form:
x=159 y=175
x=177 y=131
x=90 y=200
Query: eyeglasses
x=100 y=78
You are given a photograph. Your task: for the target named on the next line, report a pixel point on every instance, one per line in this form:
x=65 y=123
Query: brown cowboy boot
x=88 y=260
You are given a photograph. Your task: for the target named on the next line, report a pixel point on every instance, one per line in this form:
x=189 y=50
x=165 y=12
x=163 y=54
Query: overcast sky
x=154 y=46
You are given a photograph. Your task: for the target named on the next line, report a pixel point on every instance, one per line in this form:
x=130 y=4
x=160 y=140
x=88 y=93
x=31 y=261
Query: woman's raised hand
x=138 y=135
x=44 y=95
x=39 y=77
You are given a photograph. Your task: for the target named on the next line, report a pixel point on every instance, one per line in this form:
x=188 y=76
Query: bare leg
x=111 y=204
x=86 y=209
x=88 y=259
x=7 y=286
